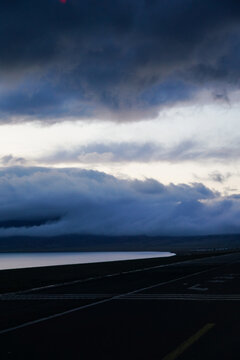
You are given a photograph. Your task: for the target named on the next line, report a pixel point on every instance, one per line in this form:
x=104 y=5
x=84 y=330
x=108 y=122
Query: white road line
x=139 y=296
x=199 y=296
x=54 y=296
x=197 y=287
x=132 y=297
x=50 y=317
x=184 y=297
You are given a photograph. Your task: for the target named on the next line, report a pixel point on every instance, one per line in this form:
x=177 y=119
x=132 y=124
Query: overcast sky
x=119 y=117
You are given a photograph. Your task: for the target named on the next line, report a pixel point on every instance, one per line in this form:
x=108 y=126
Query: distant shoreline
x=21 y=260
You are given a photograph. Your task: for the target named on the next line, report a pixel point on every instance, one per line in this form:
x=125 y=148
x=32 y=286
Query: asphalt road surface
x=187 y=310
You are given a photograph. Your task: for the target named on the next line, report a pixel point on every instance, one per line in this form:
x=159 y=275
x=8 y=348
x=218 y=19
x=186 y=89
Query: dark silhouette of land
x=73 y=242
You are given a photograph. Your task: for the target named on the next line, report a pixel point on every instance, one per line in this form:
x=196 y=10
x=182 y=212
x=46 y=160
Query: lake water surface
x=28 y=260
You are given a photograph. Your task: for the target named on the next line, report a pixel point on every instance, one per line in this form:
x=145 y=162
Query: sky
x=119 y=117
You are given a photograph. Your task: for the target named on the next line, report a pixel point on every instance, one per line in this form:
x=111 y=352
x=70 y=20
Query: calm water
x=26 y=260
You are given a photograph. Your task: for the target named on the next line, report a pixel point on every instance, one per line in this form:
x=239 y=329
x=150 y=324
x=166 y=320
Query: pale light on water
x=28 y=260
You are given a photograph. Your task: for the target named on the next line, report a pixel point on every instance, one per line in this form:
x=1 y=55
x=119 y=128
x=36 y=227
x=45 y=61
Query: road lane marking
x=67 y=312
x=183 y=297
x=197 y=288
x=190 y=341
x=140 y=296
x=224 y=277
x=55 y=297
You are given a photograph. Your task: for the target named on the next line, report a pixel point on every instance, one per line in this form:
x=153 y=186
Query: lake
x=28 y=260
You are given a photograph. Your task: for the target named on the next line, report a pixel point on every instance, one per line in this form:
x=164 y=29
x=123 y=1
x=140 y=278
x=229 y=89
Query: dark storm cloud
x=120 y=59
x=45 y=201
x=145 y=152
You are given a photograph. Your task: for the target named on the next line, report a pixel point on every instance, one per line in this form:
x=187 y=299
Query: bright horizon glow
x=34 y=142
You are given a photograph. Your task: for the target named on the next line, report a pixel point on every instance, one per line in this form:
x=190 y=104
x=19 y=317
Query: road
x=187 y=310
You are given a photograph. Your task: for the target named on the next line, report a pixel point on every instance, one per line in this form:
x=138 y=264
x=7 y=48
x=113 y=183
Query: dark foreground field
x=144 y=309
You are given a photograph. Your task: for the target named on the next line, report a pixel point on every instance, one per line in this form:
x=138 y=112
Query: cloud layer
x=114 y=59
x=119 y=152
x=44 y=201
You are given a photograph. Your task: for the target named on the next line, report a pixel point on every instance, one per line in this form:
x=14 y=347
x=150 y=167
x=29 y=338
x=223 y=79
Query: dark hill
x=117 y=243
